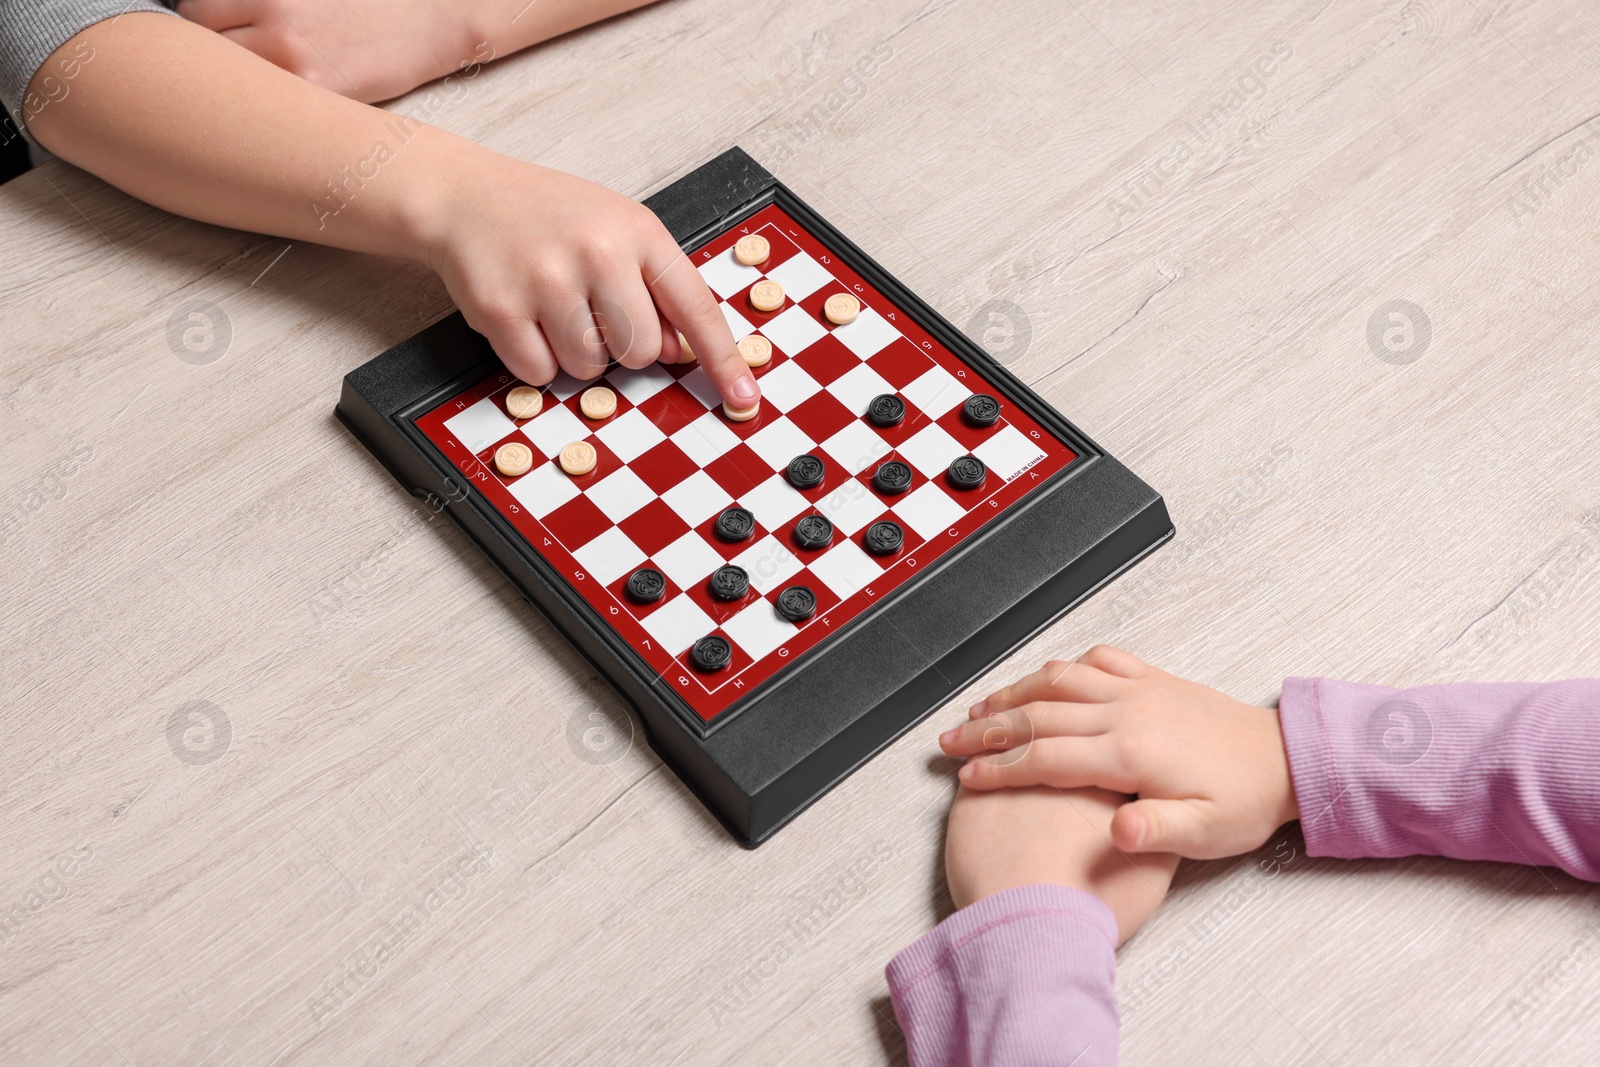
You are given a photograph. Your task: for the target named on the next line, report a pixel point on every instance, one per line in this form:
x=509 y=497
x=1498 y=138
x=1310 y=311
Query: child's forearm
x=184 y=119
x=1025 y=976
x=511 y=25
x=536 y=260
x=1474 y=771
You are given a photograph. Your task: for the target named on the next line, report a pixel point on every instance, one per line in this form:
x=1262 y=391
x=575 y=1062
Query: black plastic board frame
x=793 y=738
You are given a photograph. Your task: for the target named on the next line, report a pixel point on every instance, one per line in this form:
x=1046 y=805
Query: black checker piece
x=729 y=582
x=813 y=532
x=736 y=524
x=711 y=653
x=885 y=538
x=886 y=409
x=967 y=472
x=892 y=476
x=981 y=409
x=646 y=585
x=806 y=472
x=797 y=603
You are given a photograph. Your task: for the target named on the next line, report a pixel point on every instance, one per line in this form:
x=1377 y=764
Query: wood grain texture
x=403 y=855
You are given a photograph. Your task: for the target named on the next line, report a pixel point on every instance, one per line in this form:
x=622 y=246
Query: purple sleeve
x=1506 y=772
x=1025 y=976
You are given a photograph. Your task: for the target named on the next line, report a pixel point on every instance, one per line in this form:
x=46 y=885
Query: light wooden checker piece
x=598 y=403
x=578 y=458
x=766 y=295
x=524 y=402
x=756 y=350
x=513 y=459
x=752 y=250
x=841 y=309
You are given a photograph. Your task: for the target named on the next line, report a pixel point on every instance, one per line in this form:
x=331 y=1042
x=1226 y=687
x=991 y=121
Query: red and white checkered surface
x=670 y=462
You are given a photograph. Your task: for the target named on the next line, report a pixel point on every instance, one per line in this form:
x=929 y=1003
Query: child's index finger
x=682 y=296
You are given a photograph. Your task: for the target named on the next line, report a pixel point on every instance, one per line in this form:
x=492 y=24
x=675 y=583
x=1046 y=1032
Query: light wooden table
x=425 y=835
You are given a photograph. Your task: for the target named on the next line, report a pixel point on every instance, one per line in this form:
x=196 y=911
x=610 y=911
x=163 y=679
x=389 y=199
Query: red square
x=821 y=416
x=738 y=471
x=674 y=407
x=782 y=248
x=970 y=436
x=654 y=526
x=576 y=523
x=901 y=363
x=828 y=359
x=663 y=467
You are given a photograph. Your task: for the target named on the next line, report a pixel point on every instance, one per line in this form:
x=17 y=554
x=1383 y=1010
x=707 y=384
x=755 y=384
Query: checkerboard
x=670 y=462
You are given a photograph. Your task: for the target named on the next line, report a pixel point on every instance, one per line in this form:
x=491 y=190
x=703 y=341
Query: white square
x=677 y=624
x=480 y=425
x=740 y=325
x=565 y=387
x=788 y=386
x=794 y=331
x=936 y=392
x=609 y=556
x=759 y=630
x=931 y=449
x=553 y=429
x=857 y=387
x=868 y=335
x=726 y=275
x=778 y=442
x=774 y=502
x=630 y=435
x=642 y=384
x=543 y=489
x=929 y=510
x=705 y=439
x=856 y=447
x=696 y=498
x=688 y=560
x=851 y=506
x=701 y=387
x=800 y=275
x=620 y=494
x=768 y=563
x=1009 y=452
x=846 y=569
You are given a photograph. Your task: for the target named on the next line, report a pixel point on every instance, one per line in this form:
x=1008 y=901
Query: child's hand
x=1211 y=772
x=365 y=49
x=1014 y=837
x=553 y=270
